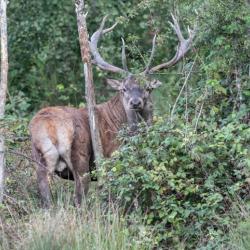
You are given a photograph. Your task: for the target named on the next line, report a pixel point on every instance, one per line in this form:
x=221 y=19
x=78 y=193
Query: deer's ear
x=153 y=84
x=115 y=84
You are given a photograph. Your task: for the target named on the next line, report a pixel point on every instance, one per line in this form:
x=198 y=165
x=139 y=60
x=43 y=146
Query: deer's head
x=135 y=95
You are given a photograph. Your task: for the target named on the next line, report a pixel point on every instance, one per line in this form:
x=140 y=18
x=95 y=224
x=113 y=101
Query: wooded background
x=45 y=64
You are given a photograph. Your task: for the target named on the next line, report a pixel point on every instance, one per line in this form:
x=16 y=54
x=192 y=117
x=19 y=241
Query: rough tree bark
x=89 y=86
x=3 y=86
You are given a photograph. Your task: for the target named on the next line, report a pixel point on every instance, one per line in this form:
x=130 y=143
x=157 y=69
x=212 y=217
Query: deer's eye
x=124 y=90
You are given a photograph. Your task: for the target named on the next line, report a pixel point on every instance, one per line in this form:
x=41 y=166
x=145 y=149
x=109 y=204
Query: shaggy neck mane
x=113 y=112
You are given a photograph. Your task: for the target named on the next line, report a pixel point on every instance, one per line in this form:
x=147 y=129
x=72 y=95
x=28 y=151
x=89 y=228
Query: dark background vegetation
x=45 y=65
x=186 y=178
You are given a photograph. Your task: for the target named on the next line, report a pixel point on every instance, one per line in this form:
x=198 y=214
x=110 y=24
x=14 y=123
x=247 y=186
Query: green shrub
x=183 y=182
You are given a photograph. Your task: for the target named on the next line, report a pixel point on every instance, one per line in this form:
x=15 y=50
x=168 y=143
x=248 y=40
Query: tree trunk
x=89 y=86
x=3 y=87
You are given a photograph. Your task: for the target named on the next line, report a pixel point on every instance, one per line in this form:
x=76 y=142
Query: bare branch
x=183 y=86
x=3 y=85
x=9 y=151
x=89 y=85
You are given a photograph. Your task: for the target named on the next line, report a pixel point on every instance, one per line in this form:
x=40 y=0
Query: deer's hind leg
x=77 y=160
x=47 y=162
x=78 y=185
x=81 y=171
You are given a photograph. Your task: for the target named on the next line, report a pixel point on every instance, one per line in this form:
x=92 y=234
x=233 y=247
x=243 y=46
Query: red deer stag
x=61 y=140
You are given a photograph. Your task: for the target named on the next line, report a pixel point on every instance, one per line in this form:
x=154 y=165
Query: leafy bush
x=183 y=182
x=17 y=106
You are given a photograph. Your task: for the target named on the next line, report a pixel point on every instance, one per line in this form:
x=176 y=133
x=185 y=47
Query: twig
x=133 y=202
x=24 y=156
x=199 y=114
x=186 y=112
x=238 y=86
x=184 y=84
x=13 y=201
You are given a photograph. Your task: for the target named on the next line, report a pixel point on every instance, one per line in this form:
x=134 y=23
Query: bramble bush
x=184 y=183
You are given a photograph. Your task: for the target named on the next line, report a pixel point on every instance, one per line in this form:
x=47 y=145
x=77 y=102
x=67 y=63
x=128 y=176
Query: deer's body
x=65 y=130
x=61 y=141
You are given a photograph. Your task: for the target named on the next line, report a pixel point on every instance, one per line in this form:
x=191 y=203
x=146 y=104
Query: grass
x=240 y=236
x=24 y=225
x=66 y=227
x=76 y=229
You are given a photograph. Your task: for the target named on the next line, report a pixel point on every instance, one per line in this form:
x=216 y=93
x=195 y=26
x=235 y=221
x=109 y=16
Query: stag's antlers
x=124 y=59
x=98 y=60
x=182 y=49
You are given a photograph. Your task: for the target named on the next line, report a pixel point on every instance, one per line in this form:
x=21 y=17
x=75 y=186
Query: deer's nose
x=136 y=103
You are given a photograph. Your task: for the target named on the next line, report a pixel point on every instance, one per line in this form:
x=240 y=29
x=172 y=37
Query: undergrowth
x=24 y=225
x=169 y=187
x=68 y=228
x=191 y=186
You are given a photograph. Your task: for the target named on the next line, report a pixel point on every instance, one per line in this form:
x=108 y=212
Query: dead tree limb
x=89 y=85
x=3 y=85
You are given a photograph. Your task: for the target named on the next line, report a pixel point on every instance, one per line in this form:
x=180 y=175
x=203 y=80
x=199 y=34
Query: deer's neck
x=111 y=117
x=113 y=113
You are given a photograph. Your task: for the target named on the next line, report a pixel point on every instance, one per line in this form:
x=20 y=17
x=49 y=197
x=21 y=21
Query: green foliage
x=182 y=182
x=44 y=50
x=17 y=106
x=224 y=54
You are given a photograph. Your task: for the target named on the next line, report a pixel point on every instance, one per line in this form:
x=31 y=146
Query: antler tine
x=182 y=48
x=151 y=55
x=176 y=27
x=109 y=29
x=98 y=60
x=124 y=59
